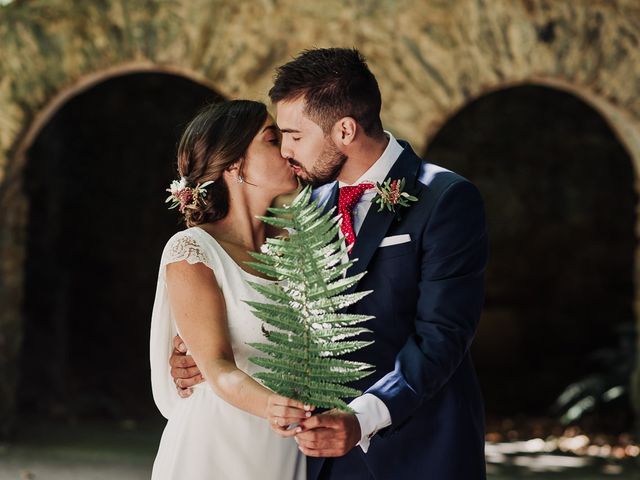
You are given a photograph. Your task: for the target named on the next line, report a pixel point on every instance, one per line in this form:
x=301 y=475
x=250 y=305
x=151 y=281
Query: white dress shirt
x=371 y=412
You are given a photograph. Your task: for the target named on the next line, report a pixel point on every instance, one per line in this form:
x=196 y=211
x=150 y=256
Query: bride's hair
x=215 y=139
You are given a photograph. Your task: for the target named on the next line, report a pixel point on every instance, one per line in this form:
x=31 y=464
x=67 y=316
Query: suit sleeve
x=451 y=291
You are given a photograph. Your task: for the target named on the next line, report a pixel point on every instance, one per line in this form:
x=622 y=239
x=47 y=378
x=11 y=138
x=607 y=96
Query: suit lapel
x=376 y=224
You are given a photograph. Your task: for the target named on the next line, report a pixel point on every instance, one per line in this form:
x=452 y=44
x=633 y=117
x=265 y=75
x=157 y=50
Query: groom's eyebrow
x=289 y=130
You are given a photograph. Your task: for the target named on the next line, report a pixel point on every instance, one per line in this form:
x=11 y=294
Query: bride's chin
x=291 y=189
x=293 y=182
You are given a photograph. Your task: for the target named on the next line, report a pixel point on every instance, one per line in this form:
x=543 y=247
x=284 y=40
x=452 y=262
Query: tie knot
x=349 y=196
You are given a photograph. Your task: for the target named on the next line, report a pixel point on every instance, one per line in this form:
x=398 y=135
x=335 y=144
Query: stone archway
x=560 y=200
x=91 y=191
x=626 y=129
x=430 y=58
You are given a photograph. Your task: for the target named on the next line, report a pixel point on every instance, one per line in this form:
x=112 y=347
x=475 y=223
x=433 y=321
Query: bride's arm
x=198 y=307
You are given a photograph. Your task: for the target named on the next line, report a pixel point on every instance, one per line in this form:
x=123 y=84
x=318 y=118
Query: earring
x=240 y=179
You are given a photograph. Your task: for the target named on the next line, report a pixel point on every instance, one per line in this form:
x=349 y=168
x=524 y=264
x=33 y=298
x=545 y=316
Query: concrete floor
x=126 y=452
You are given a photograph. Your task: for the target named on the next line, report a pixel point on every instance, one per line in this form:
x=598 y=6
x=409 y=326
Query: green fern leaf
x=306 y=327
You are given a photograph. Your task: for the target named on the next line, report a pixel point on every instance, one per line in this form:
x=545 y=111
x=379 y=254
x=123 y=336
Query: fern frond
x=307 y=328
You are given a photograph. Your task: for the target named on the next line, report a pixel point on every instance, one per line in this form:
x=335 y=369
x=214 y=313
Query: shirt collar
x=382 y=166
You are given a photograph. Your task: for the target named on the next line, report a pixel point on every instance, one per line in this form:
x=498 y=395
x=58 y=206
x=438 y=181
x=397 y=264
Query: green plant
x=609 y=384
x=307 y=328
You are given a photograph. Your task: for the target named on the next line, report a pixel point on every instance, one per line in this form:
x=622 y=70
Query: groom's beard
x=327 y=166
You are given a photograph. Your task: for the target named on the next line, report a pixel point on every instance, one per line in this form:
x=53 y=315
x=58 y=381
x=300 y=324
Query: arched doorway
x=560 y=201
x=95 y=179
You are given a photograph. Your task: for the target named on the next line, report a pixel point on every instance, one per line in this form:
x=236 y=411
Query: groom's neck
x=362 y=154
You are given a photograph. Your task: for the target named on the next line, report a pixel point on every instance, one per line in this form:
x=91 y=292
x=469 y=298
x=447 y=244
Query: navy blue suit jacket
x=427 y=297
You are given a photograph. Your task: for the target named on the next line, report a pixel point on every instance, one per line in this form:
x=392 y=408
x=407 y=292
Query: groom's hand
x=184 y=371
x=329 y=434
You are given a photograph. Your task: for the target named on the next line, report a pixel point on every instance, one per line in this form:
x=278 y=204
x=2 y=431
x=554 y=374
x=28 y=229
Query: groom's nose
x=285 y=150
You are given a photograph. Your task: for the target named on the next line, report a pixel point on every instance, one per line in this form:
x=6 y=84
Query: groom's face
x=312 y=154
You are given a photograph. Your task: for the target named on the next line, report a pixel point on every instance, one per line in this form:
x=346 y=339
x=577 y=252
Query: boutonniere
x=391 y=195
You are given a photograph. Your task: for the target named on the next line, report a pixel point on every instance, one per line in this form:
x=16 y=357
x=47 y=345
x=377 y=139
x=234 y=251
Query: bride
x=231 y=169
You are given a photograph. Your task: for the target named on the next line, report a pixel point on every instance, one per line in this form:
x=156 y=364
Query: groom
x=421 y=415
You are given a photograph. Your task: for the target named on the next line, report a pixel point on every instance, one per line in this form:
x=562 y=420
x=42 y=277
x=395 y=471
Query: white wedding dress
x=206 y=437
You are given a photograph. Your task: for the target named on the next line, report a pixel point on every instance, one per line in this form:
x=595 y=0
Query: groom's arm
x=451 y=292
x=184 y=371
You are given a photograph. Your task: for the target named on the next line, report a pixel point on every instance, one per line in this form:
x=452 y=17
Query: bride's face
x=263 y=164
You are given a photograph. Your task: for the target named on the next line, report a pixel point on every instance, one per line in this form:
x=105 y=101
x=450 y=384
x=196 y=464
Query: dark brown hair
x=335 y=83
x=215 y=139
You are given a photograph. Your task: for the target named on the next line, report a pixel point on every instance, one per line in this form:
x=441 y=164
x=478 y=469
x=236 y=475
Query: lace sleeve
x=185 y=247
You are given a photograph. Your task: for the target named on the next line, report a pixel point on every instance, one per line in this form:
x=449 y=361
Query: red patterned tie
x=348 y=197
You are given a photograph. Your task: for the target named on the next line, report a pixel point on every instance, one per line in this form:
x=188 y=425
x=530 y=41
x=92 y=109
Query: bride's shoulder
x=186 y=245
x=183 y=237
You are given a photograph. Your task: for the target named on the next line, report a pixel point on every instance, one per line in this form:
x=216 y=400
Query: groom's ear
x=344 y=131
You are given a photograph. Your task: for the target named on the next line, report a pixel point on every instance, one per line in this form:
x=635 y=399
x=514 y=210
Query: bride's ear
x=233 y=170
x=235 y=166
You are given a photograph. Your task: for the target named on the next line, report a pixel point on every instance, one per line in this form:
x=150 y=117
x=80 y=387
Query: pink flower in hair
x=184 y=197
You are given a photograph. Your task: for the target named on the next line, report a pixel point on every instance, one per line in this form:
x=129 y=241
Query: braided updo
x=215 y=139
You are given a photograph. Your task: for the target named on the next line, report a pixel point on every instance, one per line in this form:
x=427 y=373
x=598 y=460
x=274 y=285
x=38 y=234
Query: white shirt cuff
x=372 y=415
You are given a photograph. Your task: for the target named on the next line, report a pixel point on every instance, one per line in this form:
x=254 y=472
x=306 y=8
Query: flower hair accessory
x=390 y=194
x=184 y=197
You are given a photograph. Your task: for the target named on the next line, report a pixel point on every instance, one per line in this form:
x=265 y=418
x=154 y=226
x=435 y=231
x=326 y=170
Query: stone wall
x=431 y=57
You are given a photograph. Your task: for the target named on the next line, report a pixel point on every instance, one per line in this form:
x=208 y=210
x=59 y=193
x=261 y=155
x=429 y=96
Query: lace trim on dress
x=185 y=247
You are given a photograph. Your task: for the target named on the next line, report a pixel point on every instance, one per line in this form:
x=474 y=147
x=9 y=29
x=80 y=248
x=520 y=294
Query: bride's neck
x=241 y=225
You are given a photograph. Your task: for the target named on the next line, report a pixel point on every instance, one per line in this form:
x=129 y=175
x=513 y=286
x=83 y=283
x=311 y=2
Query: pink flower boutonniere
x=390 y=195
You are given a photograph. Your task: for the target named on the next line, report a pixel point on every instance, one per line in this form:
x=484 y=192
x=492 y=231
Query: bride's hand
x=282 y=412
